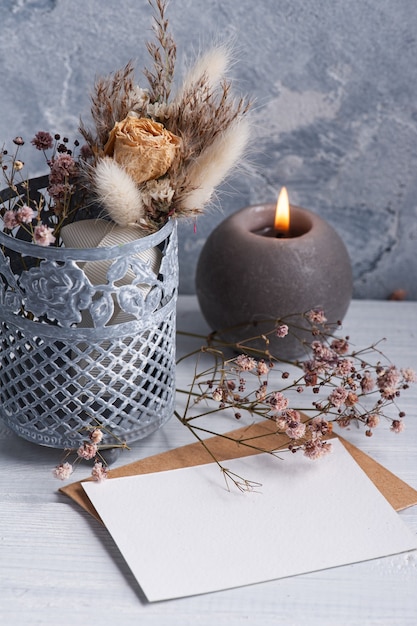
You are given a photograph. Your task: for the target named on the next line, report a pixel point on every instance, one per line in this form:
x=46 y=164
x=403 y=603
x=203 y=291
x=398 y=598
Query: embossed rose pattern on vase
x=58 y=291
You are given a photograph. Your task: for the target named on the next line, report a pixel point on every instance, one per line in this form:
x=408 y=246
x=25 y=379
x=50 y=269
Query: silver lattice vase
x=88 y=336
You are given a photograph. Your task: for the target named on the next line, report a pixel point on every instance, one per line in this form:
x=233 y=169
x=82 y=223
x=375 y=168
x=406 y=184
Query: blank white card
x=183 y=533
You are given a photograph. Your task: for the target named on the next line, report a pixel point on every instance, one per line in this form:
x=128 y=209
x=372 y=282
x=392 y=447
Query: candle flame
x=282 y=213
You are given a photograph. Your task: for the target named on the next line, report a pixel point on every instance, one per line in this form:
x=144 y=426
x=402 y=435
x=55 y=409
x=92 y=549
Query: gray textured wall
x=335 y=117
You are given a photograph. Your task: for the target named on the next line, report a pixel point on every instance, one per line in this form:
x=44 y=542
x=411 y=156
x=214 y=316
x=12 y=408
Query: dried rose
x=144 y=148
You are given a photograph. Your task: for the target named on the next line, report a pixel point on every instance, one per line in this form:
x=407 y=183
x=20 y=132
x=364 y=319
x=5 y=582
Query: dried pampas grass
x=117 y=192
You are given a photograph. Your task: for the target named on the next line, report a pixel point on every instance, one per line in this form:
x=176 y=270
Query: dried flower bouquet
x=148 y=156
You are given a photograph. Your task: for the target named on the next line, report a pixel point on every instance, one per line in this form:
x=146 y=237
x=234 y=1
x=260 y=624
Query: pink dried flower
x=261 y=392
x=63 y=471
x=262 y=368
x=278 y=401
x=351 y=399
x=341 y=346
x=245 y=363
x=320 y=426
x=96 y=435
x=218 y=394
x=316 y=316
x=42 y=141
x=87 y=450
x=344 y=421
x=43 y=235
x=388 y=379
x=62 y=169
x=281 y=422
x=99 y=472
x=316 y=448
x=292 y=415
x=397 y=426
x=18 y=141
x=409 y=375
x=338 y=396
x=310 y=375
x=344 y=367
x=282 y=330
x=9 y=219
x=295 y=430
x=372 y=420
x=58 y=191
x=25 y=214
x=367 y=382
x=324 y=357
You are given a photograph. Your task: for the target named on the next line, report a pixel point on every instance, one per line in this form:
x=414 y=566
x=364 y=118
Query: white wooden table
x=59 y=566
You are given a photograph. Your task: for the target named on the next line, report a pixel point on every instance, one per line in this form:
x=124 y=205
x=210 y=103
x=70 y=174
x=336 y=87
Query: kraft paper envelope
x=398 y=493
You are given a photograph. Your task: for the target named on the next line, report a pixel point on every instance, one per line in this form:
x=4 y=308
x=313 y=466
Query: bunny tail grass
x=215 y=163
x=209 y=68
x=117 y=193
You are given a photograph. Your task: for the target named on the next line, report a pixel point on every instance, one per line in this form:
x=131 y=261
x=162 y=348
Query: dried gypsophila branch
x=94 y=448
x=344 y=381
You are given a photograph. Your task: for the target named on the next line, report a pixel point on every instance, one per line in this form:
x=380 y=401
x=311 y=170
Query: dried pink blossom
x=281 y=422
x=63 y=168
x=397 y=426
x=282 y=330
x=316 y=448
x=87 y=450
x=25 y=214
x=295 y=430
x=9 y=219
x=262 y=368
x=245 y=363
x=344 y=367
x=341 y=346
x=58 y=191
x=260 y=393
x=388 y=380
x=43 y=235
x=218 y=394
x=292 y=415
x=320 y=426
x=63 y=471
x=42 y=141
x=316 y=316
x=344 y=421
x=367 y=382
x=324 y=357
x=99 y=472
x=372 y=420
x=338 y=396
x=96 y=436
x=351 y=399
x=409 y=375
x=278 y=401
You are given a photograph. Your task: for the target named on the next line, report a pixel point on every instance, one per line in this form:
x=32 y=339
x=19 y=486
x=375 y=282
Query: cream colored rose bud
x=144 y=148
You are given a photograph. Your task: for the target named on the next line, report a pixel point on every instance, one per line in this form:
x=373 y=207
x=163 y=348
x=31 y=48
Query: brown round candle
x=246 y=274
